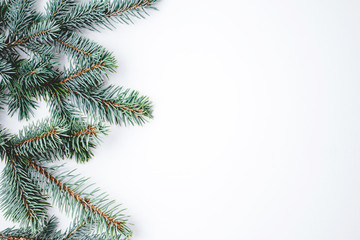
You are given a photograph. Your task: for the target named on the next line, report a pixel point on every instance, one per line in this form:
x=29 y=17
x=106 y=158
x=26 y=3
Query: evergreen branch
x=90 y=130
x=82 y=230
x=39 y=49
x=86 y=207
x=81 y=15
x=123 y=10
x=79 y=231
x=19 y=16
x=91 y=73
x=44 y=31
x=56 y=141
x=39 y=138
x=75 y=98
x=61 y=109
x=51 y=132
x=48 y=232
x=57 y=8
x=78 y=144
x=93 y=67
x=6 y=70
x=12 y=237
x=21 y=199
x=98 y=13
x=78 y=47
x=34 y=73
x=82 y=139
x=21 y=103
x=76 y=229
x=114 y=105
x=74 y=48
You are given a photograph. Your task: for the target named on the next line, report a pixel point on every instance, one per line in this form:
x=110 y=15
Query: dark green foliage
x=81 y=103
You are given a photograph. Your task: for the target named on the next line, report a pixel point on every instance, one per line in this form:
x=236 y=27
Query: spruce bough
x=81 y=105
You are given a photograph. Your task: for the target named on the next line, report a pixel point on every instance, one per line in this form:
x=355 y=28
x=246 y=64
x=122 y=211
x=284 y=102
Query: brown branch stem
x=51 y=132
x=73 y=47
x=141 y=4
x=9 y=237
x=98 y=65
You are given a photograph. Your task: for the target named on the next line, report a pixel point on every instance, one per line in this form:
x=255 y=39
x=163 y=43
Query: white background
x=256 y=129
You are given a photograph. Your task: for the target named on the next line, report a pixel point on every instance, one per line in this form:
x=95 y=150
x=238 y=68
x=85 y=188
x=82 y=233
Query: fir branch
x=19 y=16
x=20 y=197
x=83 y=71
x=82 y=139
x=12 y=237
x=90 y=73
x=113 y=104
x=44 y=31
x=18 y=102
x=61 y=109
x=34 y=73
x=38 y=138
x=76 y=229
x=48 y=232
x=78 y=47
x=122 y=11
x=56 y=9
x=75 y=98
x=98 y=14
x=6 y=70
x=73 y=48
x=81 y=15
x=110 y=221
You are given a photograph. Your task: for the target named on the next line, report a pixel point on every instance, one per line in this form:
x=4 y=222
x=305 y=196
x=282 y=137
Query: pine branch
x=21 y=199
x=30 y=45
x=42 y=32
x=61 y=109
x=38 y=138
x=113 y=104
x=6 y=70
x=122 y=11
x=78 y=229
x=14 y=237
x=83 y=139
x=84 y=205
x=22 y=104
x=56 y=140
x=19 y=16
x=78 y=47
x=48 y=232
x=36 y=72
x=99 y=14
x=90 y=73
x=56 y=9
